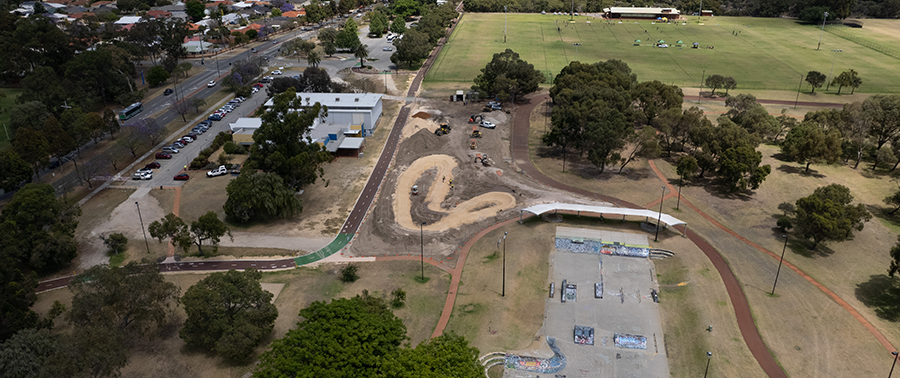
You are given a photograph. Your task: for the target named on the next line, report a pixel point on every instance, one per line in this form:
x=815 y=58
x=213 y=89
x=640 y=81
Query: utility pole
x=142 y=226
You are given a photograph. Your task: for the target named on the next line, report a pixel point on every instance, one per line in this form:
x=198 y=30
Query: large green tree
x=209 y=228
x=172 y=229
x=348 y=37
x=378 y=24
x=828 y=215
x=228 y=313
x=281 y=143
x=260 y=195
x=654 y=97
x=13 y=170
x=815 y=79
x=40 y=228
x=348 y=337
x=413 y=48
x=810 y=144
x=131 y=299
x=507 y=76
x=740 y=168
x=195 y=9
x=448 y=355
x=27 y=352
x=16 y=293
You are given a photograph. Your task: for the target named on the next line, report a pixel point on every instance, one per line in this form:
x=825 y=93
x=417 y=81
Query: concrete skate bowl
x=470 y=211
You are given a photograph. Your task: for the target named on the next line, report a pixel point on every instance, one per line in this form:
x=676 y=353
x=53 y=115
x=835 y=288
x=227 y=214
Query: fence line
x=836 y=30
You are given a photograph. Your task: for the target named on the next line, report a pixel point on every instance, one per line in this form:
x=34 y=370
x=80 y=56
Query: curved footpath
x=739 y=301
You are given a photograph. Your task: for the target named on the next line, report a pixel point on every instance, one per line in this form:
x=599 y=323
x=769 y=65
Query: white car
x=170 y=149
x=276 y=72
x=212 y=83
x=217 y=172
x=141 y=176
x=387 y=48
x=145 y=170
x=488 y=125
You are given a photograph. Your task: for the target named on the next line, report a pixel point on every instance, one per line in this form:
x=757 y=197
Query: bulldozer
x=475 y=132
x=476 y=118
x=444 y=129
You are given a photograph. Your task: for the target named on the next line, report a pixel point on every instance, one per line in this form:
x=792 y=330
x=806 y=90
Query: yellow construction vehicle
x=444 y=129
x=475 y=132
x=472 y=146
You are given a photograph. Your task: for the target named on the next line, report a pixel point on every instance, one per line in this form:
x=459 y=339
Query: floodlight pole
x=572 y=13
x=576 y=50
x=780 y=262
x=893 y=364
x=142 y=226
x=700 y=13
x=831 y=74
x=504 y=24
x=659 y=218
x=824 y=18
x=798 y=91
x=503 y=292
x=708 y=358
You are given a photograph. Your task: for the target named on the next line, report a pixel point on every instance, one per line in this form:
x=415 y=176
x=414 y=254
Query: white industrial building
x=362 y=110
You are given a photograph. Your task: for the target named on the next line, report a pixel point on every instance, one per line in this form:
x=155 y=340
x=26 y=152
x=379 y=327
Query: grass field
x=6 y=103
x=768 y=53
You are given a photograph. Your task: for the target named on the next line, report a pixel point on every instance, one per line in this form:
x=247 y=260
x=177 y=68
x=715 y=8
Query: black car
x=254 y=50
x=168 y=91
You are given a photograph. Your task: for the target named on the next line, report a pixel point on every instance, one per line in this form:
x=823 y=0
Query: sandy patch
x=414 y=124
x=274 y=288
x=123 y=219
x=471 y=211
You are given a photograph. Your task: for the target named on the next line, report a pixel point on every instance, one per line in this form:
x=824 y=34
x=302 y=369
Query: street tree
x=715 y=82
x=150 y=129
x=378 y=23
x=260 y=195
x=604 y=136
x=182 y=108
x=328 y=340
x=815 y=79
x=157 y=76
x=327 y=35
x=398 y=26
x=809 y=144
x=412 y=48
x=131 y=139
x=116 y=242
x=209 y=228
x=313 y=59
x=197 y=103
x=828 y=215
x=17 y=290
x=848 y=78
x=728 y=84
x=404 y=9
x=13 y=170
x=229 y=313
x=33 y=148
x=746 y=112
x=132 y=299
x=687 y=167
x=361 y=53
x=507 y=76
x=40 y=227
x=171 y=229
x=348 y=37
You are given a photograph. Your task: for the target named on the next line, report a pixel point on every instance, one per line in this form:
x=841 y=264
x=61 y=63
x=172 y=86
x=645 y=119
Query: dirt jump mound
x=471 y=211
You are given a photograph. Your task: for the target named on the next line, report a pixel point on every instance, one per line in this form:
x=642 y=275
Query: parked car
x=488 y=125
x=387 y=48
x=215 y=117
x=170 y=149
x=188 y=139
x=182 y=177
x=163 y=155
x=168 y=91
x=217 y=172
x=258 y=85
x=145 y=170
x=254 y=50
x=153 y=165
x=192 y=135
x=276 y=72
x=142 y=176
x=212 y=83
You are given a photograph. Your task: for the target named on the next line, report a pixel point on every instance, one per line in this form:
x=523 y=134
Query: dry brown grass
x=804 y=329
x=166 y=355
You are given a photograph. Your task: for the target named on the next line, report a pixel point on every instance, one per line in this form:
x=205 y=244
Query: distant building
x=347 y=108
x=642 y=13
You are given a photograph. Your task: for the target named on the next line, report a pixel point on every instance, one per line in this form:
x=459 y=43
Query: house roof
x=159 y=13
x=291 y=14
x=98 y=4
x=128 y=20
x=80 y=15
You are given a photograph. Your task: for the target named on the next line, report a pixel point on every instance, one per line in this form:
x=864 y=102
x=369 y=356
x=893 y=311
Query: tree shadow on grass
x=881 y=293
x=801 y=247
x=715 y=188
x=790 y=169
x=883 y=213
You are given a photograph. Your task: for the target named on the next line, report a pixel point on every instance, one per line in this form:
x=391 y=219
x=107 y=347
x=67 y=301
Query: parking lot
x=164 y=176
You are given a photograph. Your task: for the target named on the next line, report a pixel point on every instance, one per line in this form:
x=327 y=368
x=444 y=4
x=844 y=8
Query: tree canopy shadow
x=800 y=247
x=781 y=156
x=881 y=293
x=790 y=169
x=716 y=188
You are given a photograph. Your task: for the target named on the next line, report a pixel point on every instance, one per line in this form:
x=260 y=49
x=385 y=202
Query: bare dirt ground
x=424 y=158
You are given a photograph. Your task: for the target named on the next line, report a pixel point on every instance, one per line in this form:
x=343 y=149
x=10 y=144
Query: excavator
x=475 y=132
x=483 y=158
x=476 y=118
x=444 y=129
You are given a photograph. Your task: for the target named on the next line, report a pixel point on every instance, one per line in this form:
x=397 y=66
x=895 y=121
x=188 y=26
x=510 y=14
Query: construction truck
x=444 y=129
x=476 y=118
x=475 y=132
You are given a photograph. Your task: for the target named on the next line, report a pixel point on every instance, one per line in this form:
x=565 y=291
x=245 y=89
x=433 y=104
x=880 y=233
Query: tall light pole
x=831 y=74
x=798 y=91
x=503 y=292
x=779 y=263
x=824 y=18
x=700 y=94
x=659 y=218
x=893 y=364
x=680 y=182
x=700 y=14
x=142 y=226
x=422 y=251
x=576 y=50
x=504 y=24
x=708 y=358
x=572 y=14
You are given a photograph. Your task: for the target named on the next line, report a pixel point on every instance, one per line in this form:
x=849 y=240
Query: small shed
x=459 y=96
x=351 y=147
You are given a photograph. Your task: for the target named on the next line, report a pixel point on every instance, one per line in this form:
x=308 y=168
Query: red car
x=258 y=85
x=163 y=155
x=182 y=177
x=153 y=165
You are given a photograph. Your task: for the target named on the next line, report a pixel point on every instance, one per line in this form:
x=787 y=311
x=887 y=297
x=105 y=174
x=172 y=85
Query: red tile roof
x=80 y=15
x=159 y=13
